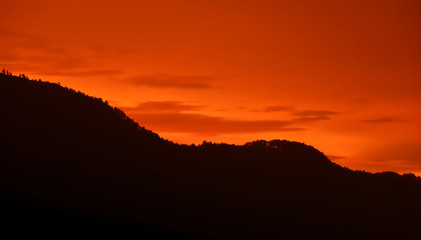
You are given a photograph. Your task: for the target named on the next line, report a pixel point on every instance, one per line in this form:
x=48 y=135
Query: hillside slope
x=75 y=162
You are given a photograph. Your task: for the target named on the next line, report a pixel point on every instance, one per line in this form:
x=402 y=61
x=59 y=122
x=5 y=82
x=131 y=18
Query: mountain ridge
x=75 y=153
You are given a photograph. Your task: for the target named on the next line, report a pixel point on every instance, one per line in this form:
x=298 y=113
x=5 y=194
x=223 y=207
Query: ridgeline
x=72 y=166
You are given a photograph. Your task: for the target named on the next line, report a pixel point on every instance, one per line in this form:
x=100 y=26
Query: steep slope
x=74 y=157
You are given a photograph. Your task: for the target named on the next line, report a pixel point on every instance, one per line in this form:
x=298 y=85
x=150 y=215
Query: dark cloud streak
x=315 y=113
x=171 y=116
x=305 y=116
x=380 y=120
x=333 y=158
x=209 y=125
x=277 y=109
x=169 y=81
x=175 y=116
x=85 y=73
x=165 y=106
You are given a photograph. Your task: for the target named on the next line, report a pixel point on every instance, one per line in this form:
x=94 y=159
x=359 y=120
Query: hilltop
x=76 y=163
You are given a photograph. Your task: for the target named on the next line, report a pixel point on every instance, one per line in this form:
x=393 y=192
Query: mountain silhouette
x=73 y=166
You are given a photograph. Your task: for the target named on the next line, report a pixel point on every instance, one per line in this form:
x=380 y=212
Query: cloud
x=201 y=124
x=180 y=117
x=315 y=113
x=84 y=73
x=34 y=53
x=30 y=53
x=169 y=81
x=304 y=116
x=401 y=156
x=7 y=33
x=307 y=116
x=165 y=106
x=334 y=158
x=174 y=116
x=23 y=40
x=277 y=109
x=311 y=119
x=380 y=120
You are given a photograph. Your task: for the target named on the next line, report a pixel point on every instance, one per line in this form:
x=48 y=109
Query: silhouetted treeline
x=72 y=161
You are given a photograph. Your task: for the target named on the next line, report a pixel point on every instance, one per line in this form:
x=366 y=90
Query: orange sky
x=343 y=76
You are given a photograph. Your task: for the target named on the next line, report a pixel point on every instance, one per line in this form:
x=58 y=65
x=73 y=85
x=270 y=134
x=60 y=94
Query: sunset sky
x=342 y=76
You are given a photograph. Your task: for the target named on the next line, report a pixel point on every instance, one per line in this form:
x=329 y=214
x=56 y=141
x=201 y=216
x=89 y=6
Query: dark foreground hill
x=74 y=167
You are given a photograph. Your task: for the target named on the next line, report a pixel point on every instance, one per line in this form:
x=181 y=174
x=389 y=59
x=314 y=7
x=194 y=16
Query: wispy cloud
x=334 y=158
x=170 y=81
x=85 y=73
x=380 y=120
x=32 y=53
x=315 y=113
x=174 y=116
x=202 y=124
x=308 y=116
x=43 y=56
x=165 y=106
x=182 y=117
x=302 y=116
x=311 y=119
x=277 y=109
x=400 y=156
